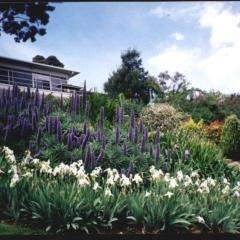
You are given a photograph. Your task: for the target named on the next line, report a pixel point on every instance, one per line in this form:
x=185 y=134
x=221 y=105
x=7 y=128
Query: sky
x=199 y=39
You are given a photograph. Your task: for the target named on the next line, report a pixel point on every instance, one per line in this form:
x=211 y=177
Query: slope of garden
x=74 y=165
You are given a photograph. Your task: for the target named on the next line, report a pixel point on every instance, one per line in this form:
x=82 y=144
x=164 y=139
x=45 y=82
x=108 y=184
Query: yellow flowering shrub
x=194 y=126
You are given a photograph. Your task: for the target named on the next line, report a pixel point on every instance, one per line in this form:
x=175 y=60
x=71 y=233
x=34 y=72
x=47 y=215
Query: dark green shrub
x=230 y=139
x=98 y=100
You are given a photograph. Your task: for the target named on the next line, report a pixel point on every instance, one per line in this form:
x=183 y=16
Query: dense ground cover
x=92 y=172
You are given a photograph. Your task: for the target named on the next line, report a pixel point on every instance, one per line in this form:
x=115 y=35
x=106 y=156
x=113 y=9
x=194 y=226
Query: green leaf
x=48 y=228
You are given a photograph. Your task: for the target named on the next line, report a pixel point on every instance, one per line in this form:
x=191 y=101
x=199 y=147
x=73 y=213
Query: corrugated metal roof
x=41 y=66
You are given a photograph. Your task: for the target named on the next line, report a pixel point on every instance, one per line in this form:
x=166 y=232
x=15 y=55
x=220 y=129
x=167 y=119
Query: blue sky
x=201 y=40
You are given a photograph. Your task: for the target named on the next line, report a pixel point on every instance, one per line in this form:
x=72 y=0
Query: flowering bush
x=213 y=131
x=162 y=116
x=193 y=126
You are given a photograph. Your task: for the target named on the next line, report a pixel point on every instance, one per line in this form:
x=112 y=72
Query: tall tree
x=24 y=20
x=51 y=60
x=130 y=78
x=174 y=88
x=172 y=84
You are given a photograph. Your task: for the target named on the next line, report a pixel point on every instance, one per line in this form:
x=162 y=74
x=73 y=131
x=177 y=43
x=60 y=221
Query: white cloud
x=220 y=69
x=176 y=12
x=175 y=59
x=224 y=25
x=178 y=36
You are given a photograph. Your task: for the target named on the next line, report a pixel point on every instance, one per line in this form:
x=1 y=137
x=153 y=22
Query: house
x=48 y=79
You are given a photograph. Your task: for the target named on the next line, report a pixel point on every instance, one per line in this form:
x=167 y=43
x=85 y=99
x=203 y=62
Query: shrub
x=162 y=116
x=193 y=126
x=230 y=139
x=213 y=131
x=98 y=100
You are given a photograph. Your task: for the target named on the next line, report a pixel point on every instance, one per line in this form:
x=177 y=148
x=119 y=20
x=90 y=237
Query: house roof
x=39 y=66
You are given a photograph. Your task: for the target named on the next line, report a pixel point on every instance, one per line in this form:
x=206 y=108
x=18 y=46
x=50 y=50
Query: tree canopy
x=24 y=20
x=51 y=60
x=130 y=78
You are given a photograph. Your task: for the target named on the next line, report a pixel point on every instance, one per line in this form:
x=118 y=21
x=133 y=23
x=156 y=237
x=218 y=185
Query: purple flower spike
x=157 y=136
x=23 y=128
x=135 y=135
x=103 y=141
x=30 y=110
x=36 y=113
x=39 y=135
x=142 y=146
x=99 y=136
x=88 y=157
x=1 y=129
x=157 y=157
x=125 y=149
x=81 y=138
x=85 y=127
x=93 y=161
x=145 y=133
x=77 y=103
x=117 y=115
x=121 y=113
x=59 y=132
x=69 y=141
x=132 y=120
x=42 y=102
x=85 y=140
x=28 y=92
x=49 y=125
x=34 y=121
x=36 y=97
x=130 y=169
x=168 y=154
x=117 y=136
x=130 y=134
x=140 y=125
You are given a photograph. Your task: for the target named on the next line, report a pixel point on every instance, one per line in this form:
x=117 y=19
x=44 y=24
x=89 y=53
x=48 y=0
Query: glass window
x=22 y=78
x=3 y=76
x=41 y=81
x=56 y=84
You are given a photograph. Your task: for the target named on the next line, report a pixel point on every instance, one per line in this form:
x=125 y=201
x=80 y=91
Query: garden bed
x=62 y=172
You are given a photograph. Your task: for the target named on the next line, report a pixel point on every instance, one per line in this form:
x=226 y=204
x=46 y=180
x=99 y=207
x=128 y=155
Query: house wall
x=40 y=71
x=32 y=77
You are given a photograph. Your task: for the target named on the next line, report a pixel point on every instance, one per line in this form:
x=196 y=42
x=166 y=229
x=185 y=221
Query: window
x=22 y=78
x=3 y=76
x=56 y=84
x=41 y=81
